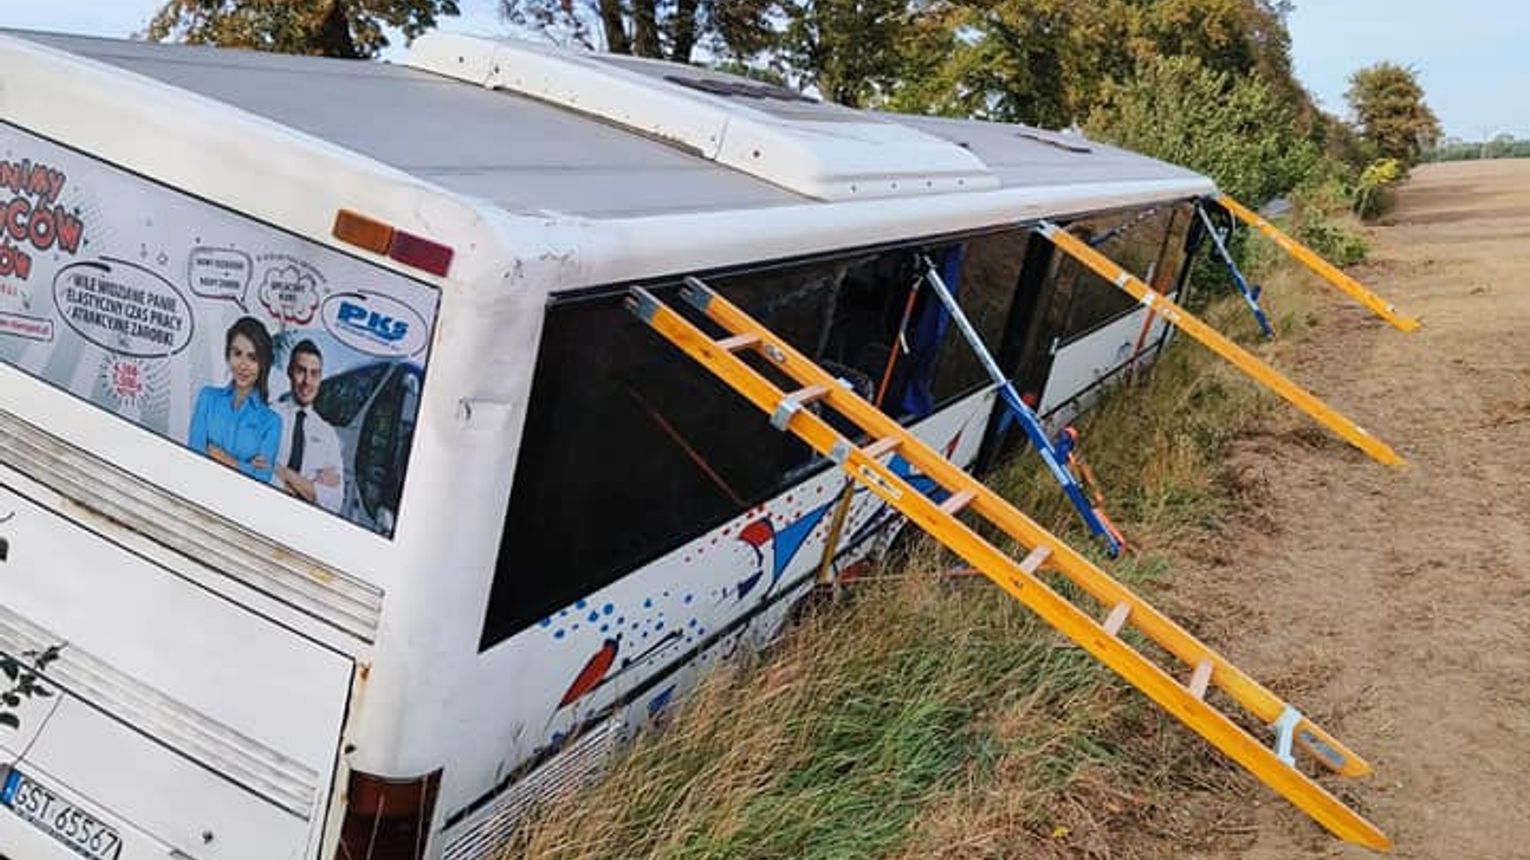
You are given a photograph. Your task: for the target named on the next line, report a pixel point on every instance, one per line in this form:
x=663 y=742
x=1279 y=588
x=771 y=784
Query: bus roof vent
x=810 y=147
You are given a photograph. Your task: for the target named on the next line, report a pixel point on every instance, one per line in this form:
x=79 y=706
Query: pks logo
x=359 y=319
x=375 y=324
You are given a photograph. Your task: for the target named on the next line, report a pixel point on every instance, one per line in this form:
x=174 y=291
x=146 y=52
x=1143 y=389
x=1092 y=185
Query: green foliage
x=1047 y=62
x=331 y=28
x=1008 y=61
x=1501 y=146
x=1389 y=104
x=1373 y=189
x=1331 y=241
x=1234 y=130
x=846 y=49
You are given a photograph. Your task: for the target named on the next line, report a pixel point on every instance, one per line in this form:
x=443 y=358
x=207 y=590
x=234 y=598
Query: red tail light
x=356 y=229
x=387 y=819
x=411 y=250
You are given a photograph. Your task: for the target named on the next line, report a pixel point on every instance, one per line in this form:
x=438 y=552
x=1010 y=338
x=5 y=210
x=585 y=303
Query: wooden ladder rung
x=956 y=501
x=738 y=342
x=1117 y=618
x=1200 y=679
x=882 y=446
x=1035 y=558
x=810 y=394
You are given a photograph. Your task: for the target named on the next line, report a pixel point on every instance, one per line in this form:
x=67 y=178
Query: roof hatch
x=816 y=149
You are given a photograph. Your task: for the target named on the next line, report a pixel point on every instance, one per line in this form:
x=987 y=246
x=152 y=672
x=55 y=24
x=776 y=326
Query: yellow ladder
x=1240 y=358
x=1319 y=266
x=1098 y=633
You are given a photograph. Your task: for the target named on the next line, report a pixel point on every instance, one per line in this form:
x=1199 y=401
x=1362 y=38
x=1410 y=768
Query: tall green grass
x=930 y=715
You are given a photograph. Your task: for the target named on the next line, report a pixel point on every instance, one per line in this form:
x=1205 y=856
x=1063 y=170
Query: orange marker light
x=363 y=232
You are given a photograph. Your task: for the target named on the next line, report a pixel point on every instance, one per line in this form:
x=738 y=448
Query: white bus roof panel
x=1026 y=157
x=525 y=155
x=514 y=151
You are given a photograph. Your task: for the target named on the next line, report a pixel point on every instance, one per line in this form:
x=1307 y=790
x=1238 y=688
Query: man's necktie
x=295 y=459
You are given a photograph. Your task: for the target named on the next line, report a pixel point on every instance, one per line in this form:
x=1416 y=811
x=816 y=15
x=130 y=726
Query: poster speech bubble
x=219 y=273
x=290 y=294
x=123 y=308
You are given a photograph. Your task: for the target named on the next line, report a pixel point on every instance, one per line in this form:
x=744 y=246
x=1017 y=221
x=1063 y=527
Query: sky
x=1471 y=55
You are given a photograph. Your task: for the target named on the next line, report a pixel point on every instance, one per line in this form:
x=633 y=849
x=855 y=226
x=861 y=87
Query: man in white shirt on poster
x=309 y=464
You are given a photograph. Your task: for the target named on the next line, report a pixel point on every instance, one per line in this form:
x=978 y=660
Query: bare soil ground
x=1394 y=606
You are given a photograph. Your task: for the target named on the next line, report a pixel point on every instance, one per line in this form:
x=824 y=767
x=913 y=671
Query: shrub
x=1373 y=190
x=1234 y=130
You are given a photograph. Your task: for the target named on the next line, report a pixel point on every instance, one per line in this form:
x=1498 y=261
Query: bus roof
x=540 y=140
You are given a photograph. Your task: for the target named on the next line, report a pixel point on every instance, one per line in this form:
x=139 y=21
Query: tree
x=1389 y=107
x=1002 y=60
x=846 y=49
x=330 y=28
x=1048 y=62
x=660 y=29
x=1235 y=130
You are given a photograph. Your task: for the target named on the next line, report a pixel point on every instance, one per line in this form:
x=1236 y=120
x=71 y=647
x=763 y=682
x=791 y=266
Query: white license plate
x=57 y=817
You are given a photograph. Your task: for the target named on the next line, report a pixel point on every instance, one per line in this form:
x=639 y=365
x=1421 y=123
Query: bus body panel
x=1081 y=364
x=174 y=708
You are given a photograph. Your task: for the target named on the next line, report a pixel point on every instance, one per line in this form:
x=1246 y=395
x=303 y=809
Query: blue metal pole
x=1250 y=294
x=1022 y=413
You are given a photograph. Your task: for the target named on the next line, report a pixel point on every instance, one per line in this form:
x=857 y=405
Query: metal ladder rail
x=1022 y=413
x=1250 y=293
x=1240 y=358
x=1320 y=267
x=1184 y=701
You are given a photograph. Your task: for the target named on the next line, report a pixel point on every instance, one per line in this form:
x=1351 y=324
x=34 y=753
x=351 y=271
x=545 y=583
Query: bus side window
x=1135 y=240
x=630 y=449
x=377 y=449
x=989 y=275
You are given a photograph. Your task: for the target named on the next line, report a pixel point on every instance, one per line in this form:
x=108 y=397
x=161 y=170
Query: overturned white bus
x=344 y=511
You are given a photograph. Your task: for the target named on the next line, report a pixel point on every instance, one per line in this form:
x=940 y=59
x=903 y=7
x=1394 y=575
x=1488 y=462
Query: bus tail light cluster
x=387 y=819
x=372 y=235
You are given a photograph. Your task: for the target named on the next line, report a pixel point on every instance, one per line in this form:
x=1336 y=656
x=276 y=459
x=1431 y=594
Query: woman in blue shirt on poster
x=232 y=424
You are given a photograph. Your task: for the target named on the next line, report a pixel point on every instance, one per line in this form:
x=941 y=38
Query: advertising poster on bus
x=289 y=362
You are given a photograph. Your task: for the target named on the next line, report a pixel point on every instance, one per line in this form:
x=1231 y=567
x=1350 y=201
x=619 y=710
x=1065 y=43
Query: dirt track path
x=1395 y=606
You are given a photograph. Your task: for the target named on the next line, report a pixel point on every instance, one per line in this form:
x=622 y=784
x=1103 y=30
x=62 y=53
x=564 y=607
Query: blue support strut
x=1250 y=294
x=1022 y=413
